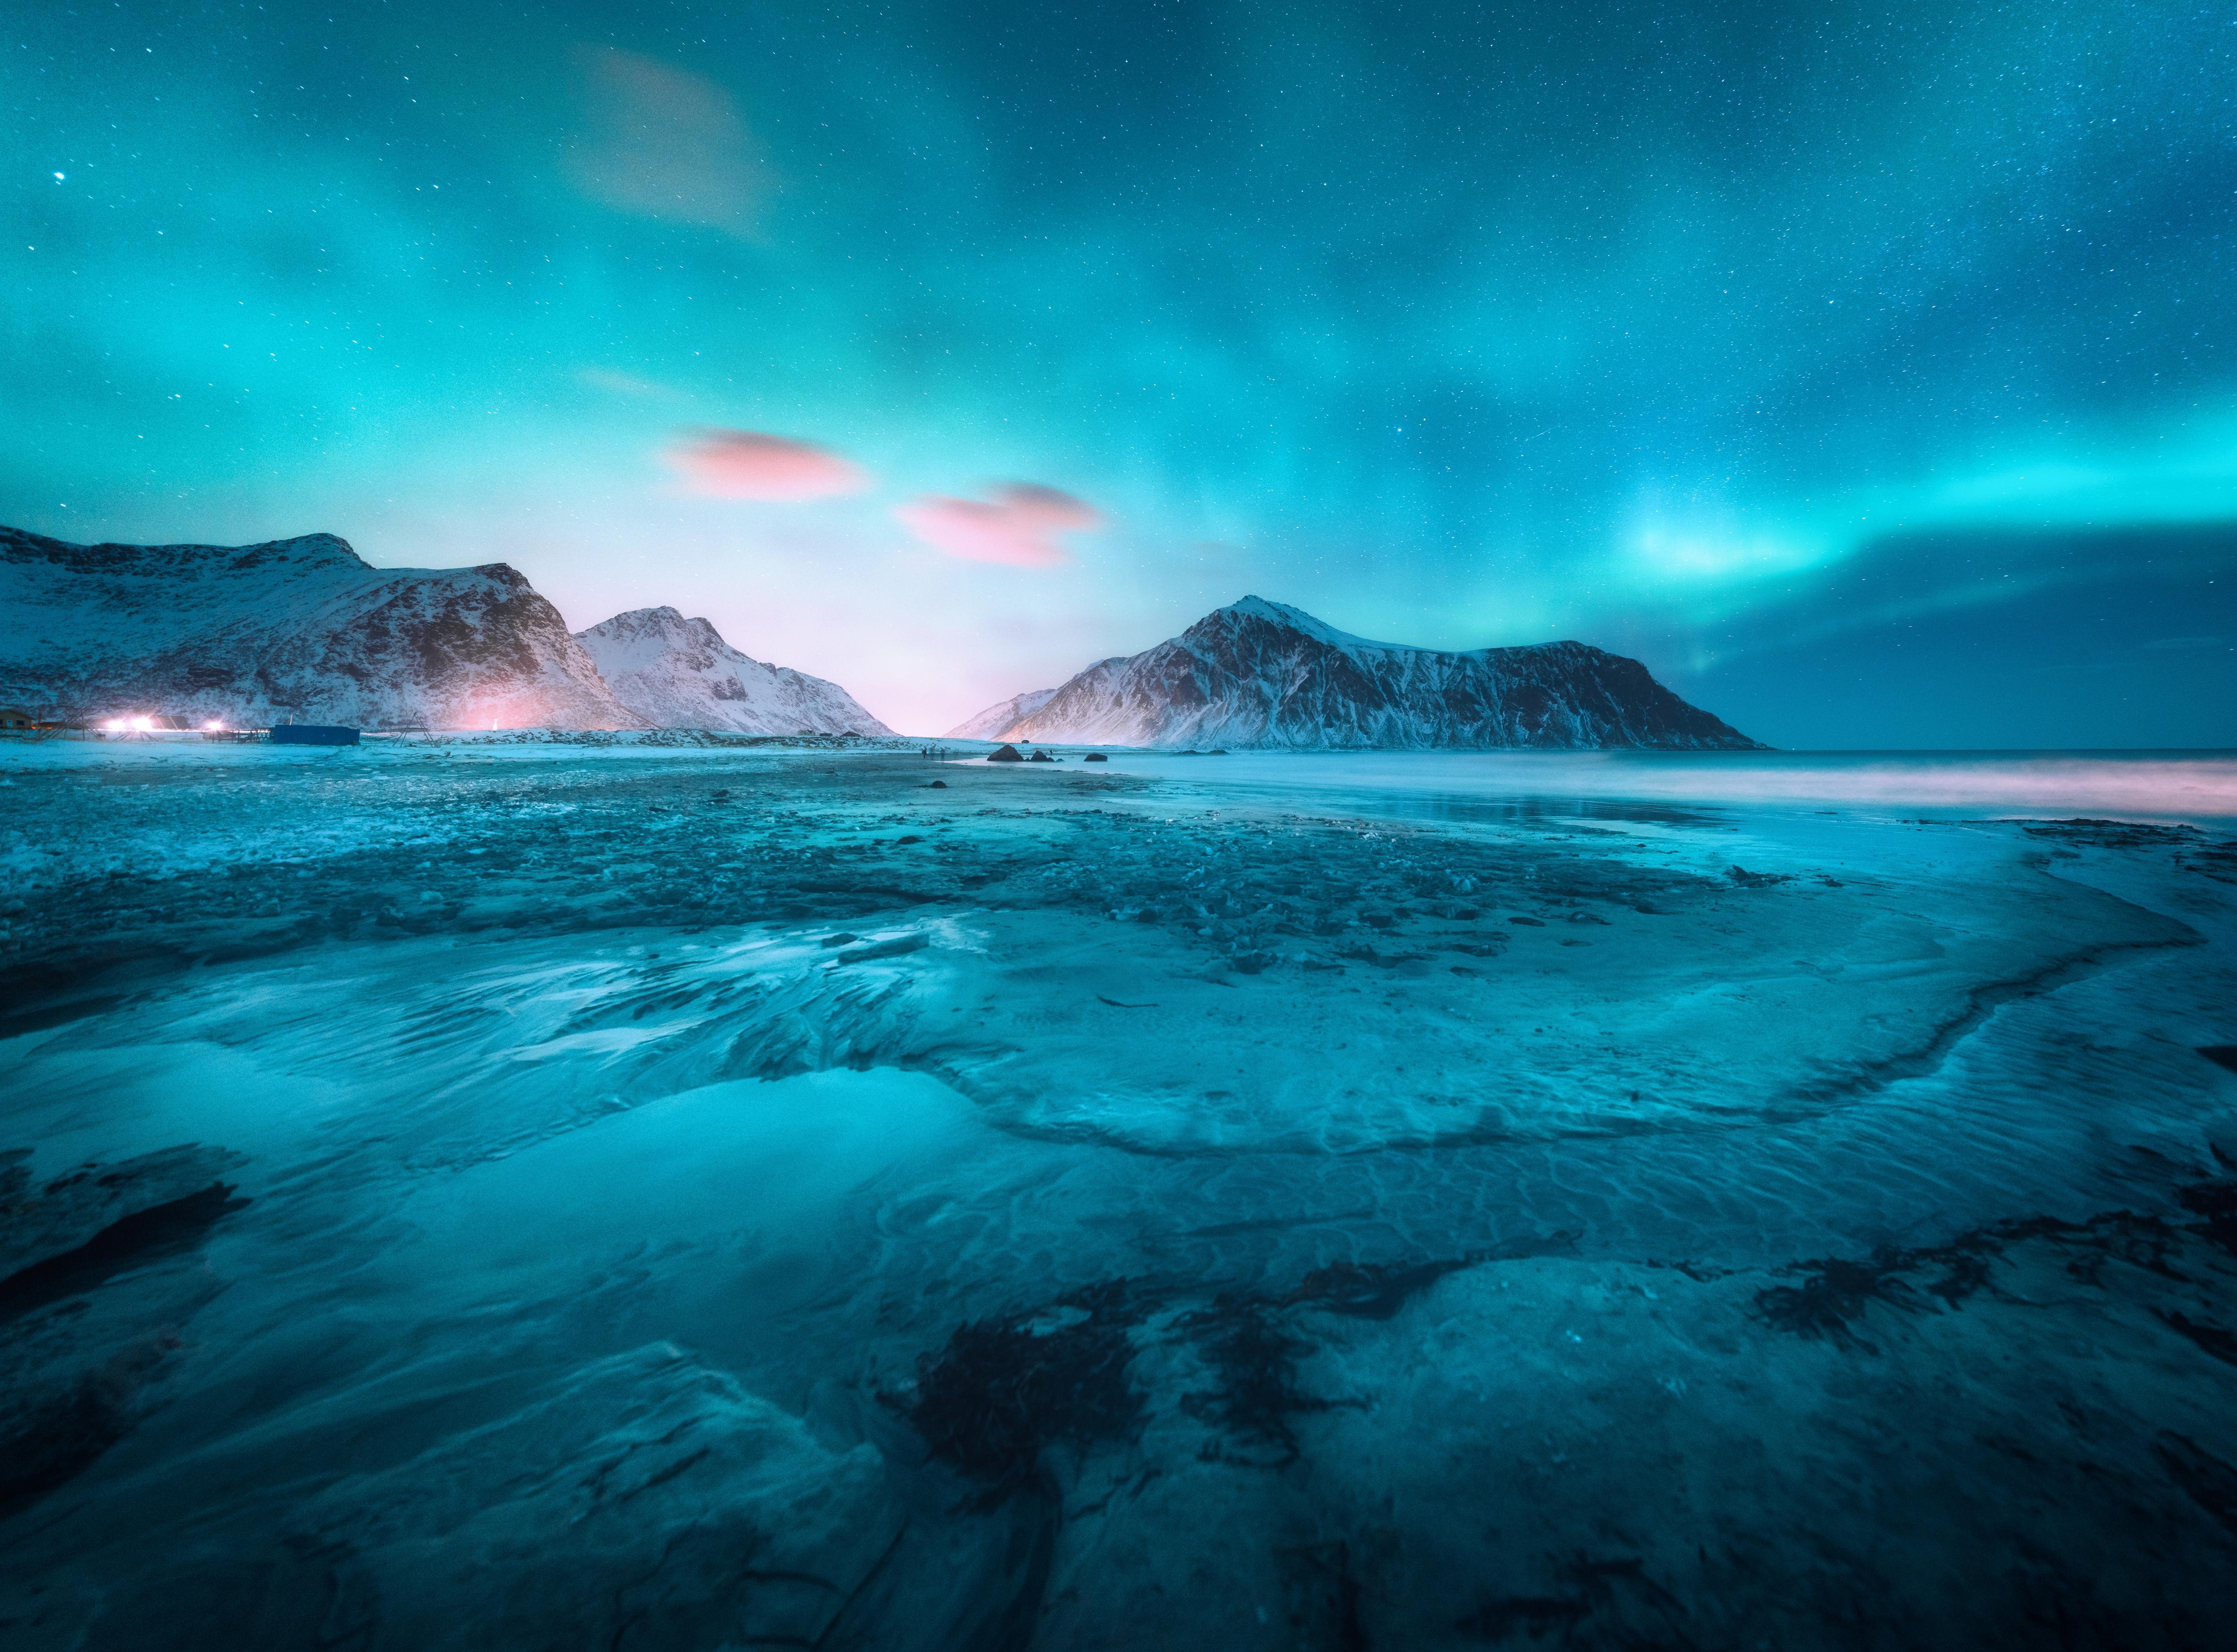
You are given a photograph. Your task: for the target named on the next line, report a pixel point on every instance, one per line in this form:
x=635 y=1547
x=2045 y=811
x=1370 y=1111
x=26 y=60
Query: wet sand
x=689 y=1195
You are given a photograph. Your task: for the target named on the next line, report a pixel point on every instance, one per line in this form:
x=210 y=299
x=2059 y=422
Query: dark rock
x=1041 y=757
x=1004 y=755
x=136 y=1241
x=937 y=785
x=75 y=1209
x=1528 y=923
x=1095 y=757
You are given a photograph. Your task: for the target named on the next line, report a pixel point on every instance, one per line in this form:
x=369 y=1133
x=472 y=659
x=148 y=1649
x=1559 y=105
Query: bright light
x=114 y=725
x=143 y=724
x=213 y=725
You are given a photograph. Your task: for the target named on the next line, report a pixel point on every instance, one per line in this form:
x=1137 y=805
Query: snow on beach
x=1442 y=1200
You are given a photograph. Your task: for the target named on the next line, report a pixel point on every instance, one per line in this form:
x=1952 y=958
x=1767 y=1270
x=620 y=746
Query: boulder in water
x=1004 y=755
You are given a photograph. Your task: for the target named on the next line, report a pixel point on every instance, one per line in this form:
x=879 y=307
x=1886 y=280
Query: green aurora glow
x=1670 y=328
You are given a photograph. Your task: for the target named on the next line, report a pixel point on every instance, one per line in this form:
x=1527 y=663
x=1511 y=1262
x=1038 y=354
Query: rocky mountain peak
x=1257 y=612
x=301 y=630
x=678 y=673
x=1261 y=673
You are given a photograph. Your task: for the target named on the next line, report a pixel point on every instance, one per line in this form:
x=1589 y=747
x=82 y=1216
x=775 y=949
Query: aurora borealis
x=1870 y=370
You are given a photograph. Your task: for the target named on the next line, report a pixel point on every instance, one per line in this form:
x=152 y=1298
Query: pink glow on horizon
x=2116 y=785
x=1019 y=529
x=750 y=465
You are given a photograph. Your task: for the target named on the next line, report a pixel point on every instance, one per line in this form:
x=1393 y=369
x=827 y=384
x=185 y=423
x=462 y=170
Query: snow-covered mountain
x=676 y=673
x=990 y=723
x=300 y=630
x=1263 y=674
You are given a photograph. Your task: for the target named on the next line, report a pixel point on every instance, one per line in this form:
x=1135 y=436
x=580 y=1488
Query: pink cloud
x=747 y=464
x=1018 y=528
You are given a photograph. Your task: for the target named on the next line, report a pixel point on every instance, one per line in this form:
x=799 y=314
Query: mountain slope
x=677 y=673
x=300 y=630
x=990 y=723
x=1263 y=674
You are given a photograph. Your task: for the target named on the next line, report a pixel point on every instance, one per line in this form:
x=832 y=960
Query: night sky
x=1870 y=371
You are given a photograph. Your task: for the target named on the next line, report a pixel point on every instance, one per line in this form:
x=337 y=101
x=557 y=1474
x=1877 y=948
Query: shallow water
x=1246 y=1199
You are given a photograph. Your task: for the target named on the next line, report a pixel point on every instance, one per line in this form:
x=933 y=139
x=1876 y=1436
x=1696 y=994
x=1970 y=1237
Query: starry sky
x=1869 y=369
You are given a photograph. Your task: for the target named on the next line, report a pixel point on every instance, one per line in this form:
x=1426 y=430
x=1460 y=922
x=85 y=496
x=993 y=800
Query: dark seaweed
x=1832 y=1295
x=1835 y=1291
x=1255 y=1359
x=1007 y=1388
x=1245 y=1339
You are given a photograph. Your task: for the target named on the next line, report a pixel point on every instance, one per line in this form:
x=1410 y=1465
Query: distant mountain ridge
x=1263 y=674
x=678 y=673
x=300 y=630
x=990 y=723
